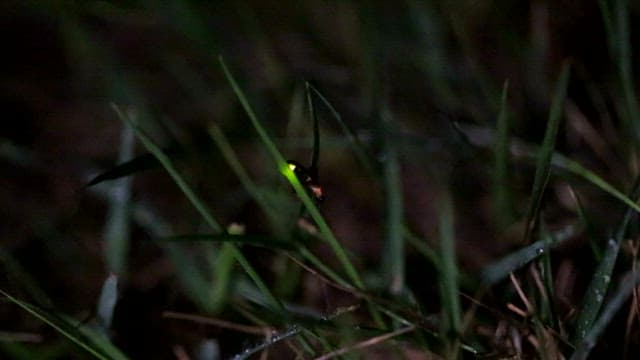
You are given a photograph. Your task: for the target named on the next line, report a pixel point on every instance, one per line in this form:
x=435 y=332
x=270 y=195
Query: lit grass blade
x=293 y=180
x=599 y=286
x=629 y=282
x=543 y=164
x=100 y=350
x=501 y=193
x=500 y=269
x=198 y=204
x=451 y=319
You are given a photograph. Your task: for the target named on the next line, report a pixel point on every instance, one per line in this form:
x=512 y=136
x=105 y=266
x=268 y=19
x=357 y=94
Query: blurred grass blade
x=264 y=241
x=167 y=163
x=451 y=324
x=67 y=330
x=501 y=191
x=500 y=269
x=601 y=280
x=543 y=165
x=203 y=210
x=269 y=208
x=326 y=232
x=393 y=252
x=588 y=226
x=483 y=137
x=616 y=17
x=117 y=227
x=107 y=303
x=590 y=338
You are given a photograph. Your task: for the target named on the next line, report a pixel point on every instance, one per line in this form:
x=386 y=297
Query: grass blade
x=107 y=303
x=628 y=283
x=600 y=282
x=450 y=301
x=203 y=210
x=485 y=138
x=500 y=269
x=543 y=165
x=117 y=228
x=66 y=329
x=357 y=145
x=293 y=180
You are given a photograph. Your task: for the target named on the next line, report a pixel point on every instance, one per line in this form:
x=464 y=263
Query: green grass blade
x=203 y=210
x=167 y=163
x=625 y=289
x=451 y=324
x=65 y=329
x=293 y=180
x=570 y=165
x=601 y=280
x=500 y=269
x=236 y=166
x=520 y=149
x=543 y=165
x=501 y=193
x=270 y=208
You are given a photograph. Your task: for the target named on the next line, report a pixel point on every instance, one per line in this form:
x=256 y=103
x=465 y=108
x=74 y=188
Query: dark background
x=430 y=64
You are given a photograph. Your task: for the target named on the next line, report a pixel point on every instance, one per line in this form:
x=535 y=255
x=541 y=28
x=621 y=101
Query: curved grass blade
x=627 y=284
x=357 y=145
x=600 y=282
x=203 y=210
x=293 y=180
x=543 y=165
x=485 y=138
x=500 y=269
x=69 y=331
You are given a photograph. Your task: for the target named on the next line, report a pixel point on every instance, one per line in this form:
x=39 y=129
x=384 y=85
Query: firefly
x=309 y=181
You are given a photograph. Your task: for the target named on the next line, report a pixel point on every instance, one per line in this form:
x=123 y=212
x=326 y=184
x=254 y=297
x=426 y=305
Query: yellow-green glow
x=292 y=166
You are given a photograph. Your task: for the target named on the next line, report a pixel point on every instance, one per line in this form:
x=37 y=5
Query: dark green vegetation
x=478 y=162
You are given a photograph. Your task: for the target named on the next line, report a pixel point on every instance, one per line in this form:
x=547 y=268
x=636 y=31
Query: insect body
x=307 y=179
